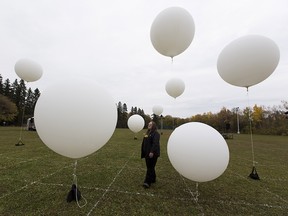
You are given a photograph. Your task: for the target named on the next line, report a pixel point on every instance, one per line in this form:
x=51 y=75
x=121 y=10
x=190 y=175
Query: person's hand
x=151 y=155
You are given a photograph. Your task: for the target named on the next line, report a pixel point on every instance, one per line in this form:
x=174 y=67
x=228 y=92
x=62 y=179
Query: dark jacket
x=151 y=143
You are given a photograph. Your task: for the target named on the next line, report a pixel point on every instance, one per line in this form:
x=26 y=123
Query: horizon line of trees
x=16 y=99
x=264 y=120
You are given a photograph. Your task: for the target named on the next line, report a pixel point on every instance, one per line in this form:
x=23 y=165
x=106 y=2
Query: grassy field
x=35 y=181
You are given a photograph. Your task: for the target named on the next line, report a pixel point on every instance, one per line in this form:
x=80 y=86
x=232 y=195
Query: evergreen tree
x=29 y=105
x=125 y=108
x=36 y=95
x=122 y=116
x=7 y=89
x=120 y=107
x=19 y=98
x=1 y=85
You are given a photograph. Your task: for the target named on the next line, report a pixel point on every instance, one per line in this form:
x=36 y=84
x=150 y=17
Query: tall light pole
x=237 y=110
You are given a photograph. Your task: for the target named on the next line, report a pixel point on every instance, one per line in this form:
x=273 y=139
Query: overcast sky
x=109 y=42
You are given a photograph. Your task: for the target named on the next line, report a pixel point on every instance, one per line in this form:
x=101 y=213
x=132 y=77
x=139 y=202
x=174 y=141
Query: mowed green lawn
x=35 y=181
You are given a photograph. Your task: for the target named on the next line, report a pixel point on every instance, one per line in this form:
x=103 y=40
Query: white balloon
x=157 y=109
x=198 y=152
x=248 y=60
x=172 y=31
x=175 y=87
x=75 y=118
x=136 y=123
x=28 y=70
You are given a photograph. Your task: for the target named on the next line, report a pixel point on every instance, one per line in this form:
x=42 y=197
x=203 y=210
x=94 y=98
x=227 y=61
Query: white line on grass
x=118 y=191
x=250 y=204
x=166 y=197
x=25 y=161
x=225 y=202
x=108 y=188
x=33 y=182
x=274 y=194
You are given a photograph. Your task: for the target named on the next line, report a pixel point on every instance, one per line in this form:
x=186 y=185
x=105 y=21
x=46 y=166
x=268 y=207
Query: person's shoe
x=146 y=185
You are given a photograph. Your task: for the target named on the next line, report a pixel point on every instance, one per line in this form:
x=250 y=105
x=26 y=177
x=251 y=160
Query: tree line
x=264 y=120
x=16 y=99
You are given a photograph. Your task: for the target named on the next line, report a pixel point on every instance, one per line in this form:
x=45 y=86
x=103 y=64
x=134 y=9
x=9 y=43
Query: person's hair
x=153 y=128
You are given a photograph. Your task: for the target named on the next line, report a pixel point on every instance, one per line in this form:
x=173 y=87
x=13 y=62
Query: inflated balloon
x=198 y=152
x=157 y=109
x=248 y=60
x=172 y=31
x=136 y=123
x=28 y=70
x=175 y=87
x=75 y=123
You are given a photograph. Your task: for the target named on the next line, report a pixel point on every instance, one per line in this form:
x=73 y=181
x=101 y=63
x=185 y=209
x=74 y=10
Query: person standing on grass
x=150 y=150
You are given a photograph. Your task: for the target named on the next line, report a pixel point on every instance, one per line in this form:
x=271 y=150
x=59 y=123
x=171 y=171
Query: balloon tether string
x=20 y=142
x=196 y=193
x=75 y=182
x=250 y=128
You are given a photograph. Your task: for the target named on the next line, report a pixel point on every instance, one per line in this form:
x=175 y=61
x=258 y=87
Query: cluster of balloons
x=136 y=122
x=197 y=151
x=171 y=33
x=74 y=125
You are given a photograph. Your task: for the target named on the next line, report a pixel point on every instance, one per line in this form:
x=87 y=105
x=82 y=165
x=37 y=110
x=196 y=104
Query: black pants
x=150 y=174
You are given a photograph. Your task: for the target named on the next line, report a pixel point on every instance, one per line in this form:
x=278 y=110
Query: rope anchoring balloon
x=20 y=142
x=253 y=175
x=246 y=62
x=74 y=194
x=196 y=194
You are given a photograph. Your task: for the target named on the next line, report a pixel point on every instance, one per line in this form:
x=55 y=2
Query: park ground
x=35 y=180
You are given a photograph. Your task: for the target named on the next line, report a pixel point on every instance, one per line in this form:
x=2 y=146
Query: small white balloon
x=75 y=123
x=175 y=87
x=172 y=31
x=136 y=123
x=198 y=152
x=248 y=60
x=157 y=109
x=28 y=70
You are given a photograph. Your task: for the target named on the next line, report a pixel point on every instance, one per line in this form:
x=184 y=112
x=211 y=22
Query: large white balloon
x=136 y=123
x=157 y=109
x=175 y=87
x=198 y=152
x=172 y=31
x=248 y=60
x=28 y=70
x=75 y=118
